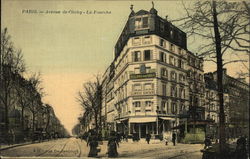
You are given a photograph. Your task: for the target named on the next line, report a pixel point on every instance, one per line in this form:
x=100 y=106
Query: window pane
x=147 y=55
x=144 y=22
x=137 y=56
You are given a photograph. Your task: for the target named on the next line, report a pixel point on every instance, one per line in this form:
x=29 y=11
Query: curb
x=9 y=147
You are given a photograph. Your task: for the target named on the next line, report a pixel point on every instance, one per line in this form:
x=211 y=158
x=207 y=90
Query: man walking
x=148 y=137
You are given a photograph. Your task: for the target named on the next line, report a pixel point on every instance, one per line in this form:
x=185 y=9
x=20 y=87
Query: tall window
x=180 y=63
x=137 y=56
x=171 y=60
x=163 y=57
x=179 y=50
x=164 y=73
x=137 y=104
x=173 y=91
x=173 y=108
x=164 y=89
x=147 y=55
x=163 y=106
x=171 y=47
x=173 y=76
x=162 y=43
x=148 y=103
x=141 y=23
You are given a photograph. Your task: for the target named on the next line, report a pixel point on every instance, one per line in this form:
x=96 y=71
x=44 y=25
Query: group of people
x=113 y=143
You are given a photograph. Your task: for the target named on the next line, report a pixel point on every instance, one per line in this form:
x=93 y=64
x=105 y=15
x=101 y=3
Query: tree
x=11 y=63
x=34 y=97
x=21 y=87
x=224 y=26
x=90 y=99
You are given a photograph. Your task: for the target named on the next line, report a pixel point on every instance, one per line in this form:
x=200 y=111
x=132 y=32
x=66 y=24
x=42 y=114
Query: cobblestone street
x=76 y=148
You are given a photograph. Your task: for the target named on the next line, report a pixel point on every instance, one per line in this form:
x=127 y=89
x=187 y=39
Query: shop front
x=143 y=125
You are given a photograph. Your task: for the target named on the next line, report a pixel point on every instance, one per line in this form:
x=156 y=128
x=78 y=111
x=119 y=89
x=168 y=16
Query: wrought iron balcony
x=140 y=76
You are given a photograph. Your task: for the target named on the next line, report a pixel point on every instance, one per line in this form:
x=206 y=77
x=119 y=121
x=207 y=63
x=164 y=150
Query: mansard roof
x=142 y=12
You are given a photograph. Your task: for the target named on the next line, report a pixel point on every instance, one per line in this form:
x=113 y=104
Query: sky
x=69 y=48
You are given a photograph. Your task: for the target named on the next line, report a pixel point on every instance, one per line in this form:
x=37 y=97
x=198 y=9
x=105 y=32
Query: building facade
x=146 y=88
x=236 y=104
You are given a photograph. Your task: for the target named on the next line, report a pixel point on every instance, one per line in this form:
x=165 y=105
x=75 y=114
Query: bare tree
x=90 y=99
x=11 y=63
x=224 y=28
x=21 y=89
x=34 y=97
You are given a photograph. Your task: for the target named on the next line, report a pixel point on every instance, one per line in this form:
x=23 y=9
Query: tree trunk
x=33 y=123
x=222 y=140
x=47 y=125
x=6 y=112
x=96 y=121
x=22 y=118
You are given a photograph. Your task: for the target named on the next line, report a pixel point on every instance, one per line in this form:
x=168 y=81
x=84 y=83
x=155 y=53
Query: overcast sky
x=68 y=49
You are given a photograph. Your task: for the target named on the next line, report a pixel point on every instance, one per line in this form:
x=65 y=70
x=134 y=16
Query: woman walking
x=93 y=143
x=112 y=145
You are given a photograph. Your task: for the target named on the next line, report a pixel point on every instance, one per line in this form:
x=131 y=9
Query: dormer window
x=141 y=23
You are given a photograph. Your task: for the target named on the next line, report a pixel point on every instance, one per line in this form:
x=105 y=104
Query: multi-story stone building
x=149 y=88
x=236 y=104
x=108 y=109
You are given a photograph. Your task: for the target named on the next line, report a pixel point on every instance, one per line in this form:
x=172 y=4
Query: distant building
x=236 y=103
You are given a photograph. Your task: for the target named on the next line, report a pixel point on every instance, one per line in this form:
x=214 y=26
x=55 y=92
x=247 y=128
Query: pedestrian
x=174 y=138
x=118 y=137
x=93 y=143
x=207 y=142
x=241 y=151
x=112 y=145
x=148 y=137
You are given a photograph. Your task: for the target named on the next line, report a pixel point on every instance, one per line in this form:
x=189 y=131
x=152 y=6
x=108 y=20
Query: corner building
x=150 y=87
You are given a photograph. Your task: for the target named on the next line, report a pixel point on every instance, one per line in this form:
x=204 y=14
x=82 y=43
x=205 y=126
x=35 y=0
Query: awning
x=142 y=120
x=167 y=118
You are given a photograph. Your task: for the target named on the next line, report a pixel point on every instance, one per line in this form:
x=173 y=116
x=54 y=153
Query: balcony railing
x=140 y=76
x=147 y=92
